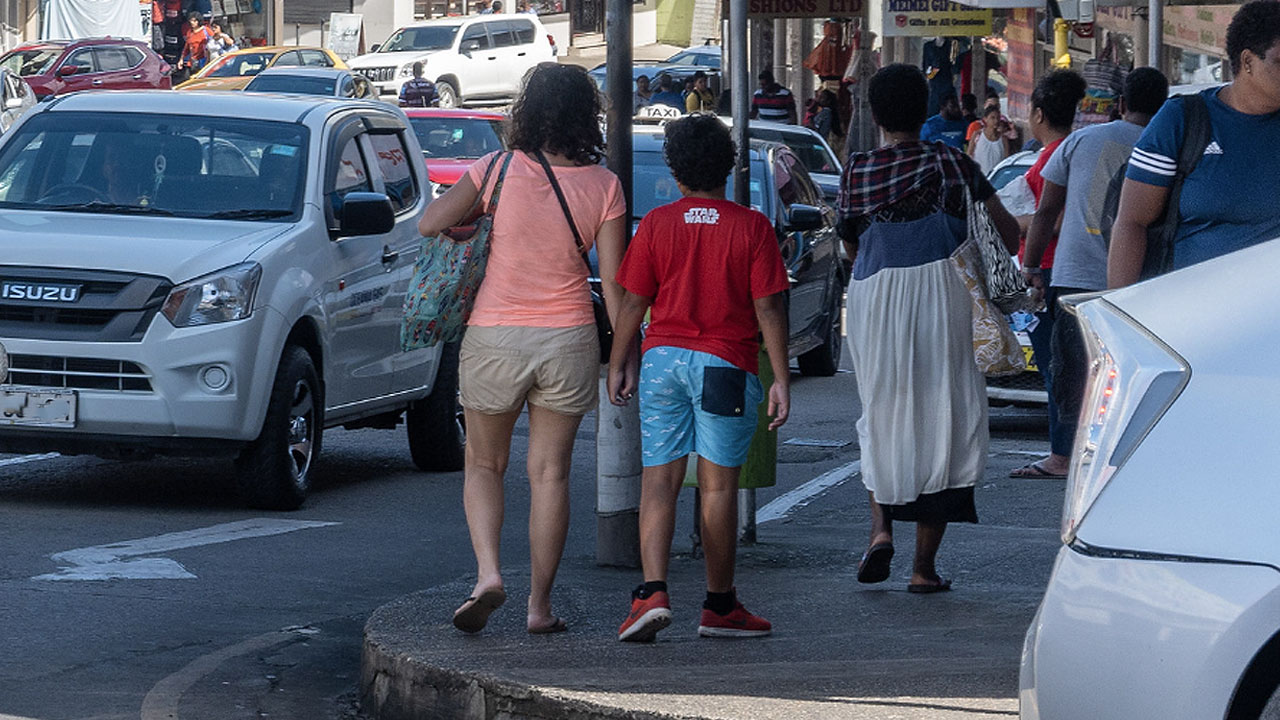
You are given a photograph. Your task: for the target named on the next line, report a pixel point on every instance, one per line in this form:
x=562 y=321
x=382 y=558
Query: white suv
x=214 y=273
x=479 y=58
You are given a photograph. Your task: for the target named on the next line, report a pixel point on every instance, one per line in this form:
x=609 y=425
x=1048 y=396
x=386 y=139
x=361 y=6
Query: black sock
x=720 y=603
x=649 y=588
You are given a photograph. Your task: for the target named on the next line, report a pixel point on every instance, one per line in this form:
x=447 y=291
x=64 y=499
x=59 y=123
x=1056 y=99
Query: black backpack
x=1198 y=132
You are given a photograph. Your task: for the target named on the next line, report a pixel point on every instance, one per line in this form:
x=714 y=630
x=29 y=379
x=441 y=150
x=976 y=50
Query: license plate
x=1029 y=354
x=37 y=407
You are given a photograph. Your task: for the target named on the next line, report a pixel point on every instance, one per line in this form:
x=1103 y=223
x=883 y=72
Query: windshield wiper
x=258 y=214
x=118 y=208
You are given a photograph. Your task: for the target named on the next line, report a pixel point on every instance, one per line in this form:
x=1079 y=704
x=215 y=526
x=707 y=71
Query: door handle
x=494 y=57
x=520 y=54
x=388 y=255
x=138 y=76
x=96 y=82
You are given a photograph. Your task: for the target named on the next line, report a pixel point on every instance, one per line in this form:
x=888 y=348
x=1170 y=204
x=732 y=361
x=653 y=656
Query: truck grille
x=110 y=307
x=379 y=74
x=52 y=371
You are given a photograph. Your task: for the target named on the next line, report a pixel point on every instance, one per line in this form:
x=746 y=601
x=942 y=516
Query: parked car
x=332 y=82
x=57 y=67
x=1016 y=165
x=782 y=190
x=452 y=139
x=16 y=98
x=1164 y=601
x=234 y=70
x=704 y=55
x=470 y=59
x=156 y=300
x=812 y=149
x=678 y=73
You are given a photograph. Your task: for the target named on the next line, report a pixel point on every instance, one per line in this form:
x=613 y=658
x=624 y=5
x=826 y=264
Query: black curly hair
x=556 y=111
x=1255 y=27
x=899 y=97
x=1057 y=95
x=699 y=151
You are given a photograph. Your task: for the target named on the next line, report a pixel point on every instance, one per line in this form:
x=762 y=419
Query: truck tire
x=447 y=95
x=274 y=471
x=824 y=360
x=437 y=433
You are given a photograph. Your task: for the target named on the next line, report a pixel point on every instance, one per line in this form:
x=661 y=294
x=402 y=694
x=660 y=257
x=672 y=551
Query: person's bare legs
x=718 y=486
x=551 y=437
x=928 y=538
x=659 y=489
x=881 y=527
x=487 y=454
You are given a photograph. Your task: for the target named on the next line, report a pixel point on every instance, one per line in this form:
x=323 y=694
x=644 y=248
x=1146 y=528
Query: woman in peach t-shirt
x=531 y=337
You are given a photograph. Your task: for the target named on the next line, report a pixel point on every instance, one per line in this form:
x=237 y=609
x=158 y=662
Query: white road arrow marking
x=801 y=496
x=114 y=561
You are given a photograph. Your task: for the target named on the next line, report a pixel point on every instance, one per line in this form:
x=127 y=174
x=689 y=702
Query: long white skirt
x=923 y=428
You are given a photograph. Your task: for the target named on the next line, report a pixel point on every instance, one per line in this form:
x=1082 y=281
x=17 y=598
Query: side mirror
x=375 y=47
x=804 y=217
x=470 y=46
x=66 y=70
x=365 y=213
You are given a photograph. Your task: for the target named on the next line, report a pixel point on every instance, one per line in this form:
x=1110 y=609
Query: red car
x=452 y=139
x=57 y=67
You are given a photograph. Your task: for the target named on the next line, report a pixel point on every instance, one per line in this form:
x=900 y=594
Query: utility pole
x=618 y=465
x=1155 y=33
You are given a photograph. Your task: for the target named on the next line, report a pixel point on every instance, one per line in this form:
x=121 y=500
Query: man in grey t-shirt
x=1076 y=180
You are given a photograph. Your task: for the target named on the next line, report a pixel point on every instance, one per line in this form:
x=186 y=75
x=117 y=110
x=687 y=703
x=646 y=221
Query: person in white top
x=990 y=146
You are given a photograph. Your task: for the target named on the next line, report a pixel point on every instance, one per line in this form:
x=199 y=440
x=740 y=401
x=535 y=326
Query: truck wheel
x=274 y=471
x=437 y=433
x=447 y=95
x=824 y=360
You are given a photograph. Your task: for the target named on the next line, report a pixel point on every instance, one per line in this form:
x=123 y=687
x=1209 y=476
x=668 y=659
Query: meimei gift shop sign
x=934 y=18
x=758 y=9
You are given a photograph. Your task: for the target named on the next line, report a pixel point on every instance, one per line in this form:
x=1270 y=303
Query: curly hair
x=557 y=111
x=899 y=97
x=1255 y=27
x=699 y=151
x=1057 y=95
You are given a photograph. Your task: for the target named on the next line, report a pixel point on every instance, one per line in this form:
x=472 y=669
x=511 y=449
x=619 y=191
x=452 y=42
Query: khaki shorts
x=500 y=368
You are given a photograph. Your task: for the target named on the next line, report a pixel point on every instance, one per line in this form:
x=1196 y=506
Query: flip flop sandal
x=474 y=613
x=556 y=627
x=927 y=588
x=874 y=567
x=1035 y=471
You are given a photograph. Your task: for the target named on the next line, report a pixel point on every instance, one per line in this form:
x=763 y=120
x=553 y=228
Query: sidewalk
x=839 y=649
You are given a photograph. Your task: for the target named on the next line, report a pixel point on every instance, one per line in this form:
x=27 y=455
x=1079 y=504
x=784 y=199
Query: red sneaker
x=737 y=624
x=647 y=617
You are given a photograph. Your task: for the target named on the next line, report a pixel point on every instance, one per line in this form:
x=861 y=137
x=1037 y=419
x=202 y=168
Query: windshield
x=1006 y=174
x=239 y=65
x=134 y=163
x=455 y=137
x=301 y=84
x=815 y=157
x=433 y=37
x=35 y=61
x=653 y=186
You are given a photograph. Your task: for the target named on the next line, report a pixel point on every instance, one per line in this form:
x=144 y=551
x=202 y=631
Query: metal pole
x=1155 y=33
x=1141 y=52
x=618 y=464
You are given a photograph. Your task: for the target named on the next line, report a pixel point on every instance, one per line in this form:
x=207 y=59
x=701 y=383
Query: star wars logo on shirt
x=702 y=216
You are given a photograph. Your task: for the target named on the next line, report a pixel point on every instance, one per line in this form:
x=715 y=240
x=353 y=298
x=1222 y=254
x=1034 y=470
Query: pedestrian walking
x=923 y=432
x=948 y=126
x=700 y=98
x=1076 y=180
x=643 y=96
x=667 y=94
x=195 y=44
x=531 y=338
x=1053 y=110
x=1227 y=200
x=220 y=43
x=710 y=272
x=418 y=91
x=772 y=101
x=989 y=146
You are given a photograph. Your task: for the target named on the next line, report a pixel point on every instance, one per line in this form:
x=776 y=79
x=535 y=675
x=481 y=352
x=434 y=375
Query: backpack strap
x=1196 y=135
x=568 y=216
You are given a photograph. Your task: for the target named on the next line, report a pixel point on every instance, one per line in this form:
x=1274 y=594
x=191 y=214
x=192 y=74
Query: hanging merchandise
x=863 y=63
x=831 y=56
x=1105 y=79
x=69 y=19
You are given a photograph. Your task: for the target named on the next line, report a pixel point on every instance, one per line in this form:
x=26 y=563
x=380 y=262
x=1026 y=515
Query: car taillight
x=1133 y=379
x=551 y=39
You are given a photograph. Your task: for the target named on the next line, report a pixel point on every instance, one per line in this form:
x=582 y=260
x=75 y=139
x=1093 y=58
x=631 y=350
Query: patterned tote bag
x=447 y=274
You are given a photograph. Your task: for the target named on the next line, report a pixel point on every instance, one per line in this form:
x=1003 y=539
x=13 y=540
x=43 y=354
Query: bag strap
x=568 y=216
x=1198 y=132
x=497 y=186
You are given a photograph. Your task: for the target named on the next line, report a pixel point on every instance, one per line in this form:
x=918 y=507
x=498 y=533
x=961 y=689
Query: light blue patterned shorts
x=694 y=401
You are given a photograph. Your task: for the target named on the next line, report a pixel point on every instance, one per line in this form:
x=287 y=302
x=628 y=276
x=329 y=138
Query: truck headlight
x=1133 y=379
x=220 y=297
x=407 y=70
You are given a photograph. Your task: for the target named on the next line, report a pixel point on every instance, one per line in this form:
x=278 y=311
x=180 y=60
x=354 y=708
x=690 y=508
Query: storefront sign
x=934 y=18
x=1202 y=29
x=760 y=9
x=1020 y=69
x=344 y=34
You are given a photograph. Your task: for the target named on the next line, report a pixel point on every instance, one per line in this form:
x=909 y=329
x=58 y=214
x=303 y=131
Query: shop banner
x=1201 y=29
x=934 y=18
x=1020 y=69
x=344 y=34
x=763 y=9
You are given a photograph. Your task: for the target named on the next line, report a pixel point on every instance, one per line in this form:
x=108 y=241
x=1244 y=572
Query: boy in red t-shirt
x=712 y=274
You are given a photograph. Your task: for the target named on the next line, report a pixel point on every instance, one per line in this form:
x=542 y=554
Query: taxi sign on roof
x=658 y=114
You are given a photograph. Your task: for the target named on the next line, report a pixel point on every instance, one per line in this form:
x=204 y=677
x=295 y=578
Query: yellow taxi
x=235 y=69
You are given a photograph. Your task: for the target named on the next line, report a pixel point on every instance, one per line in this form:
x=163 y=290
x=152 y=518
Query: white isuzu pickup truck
x=208 y=273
